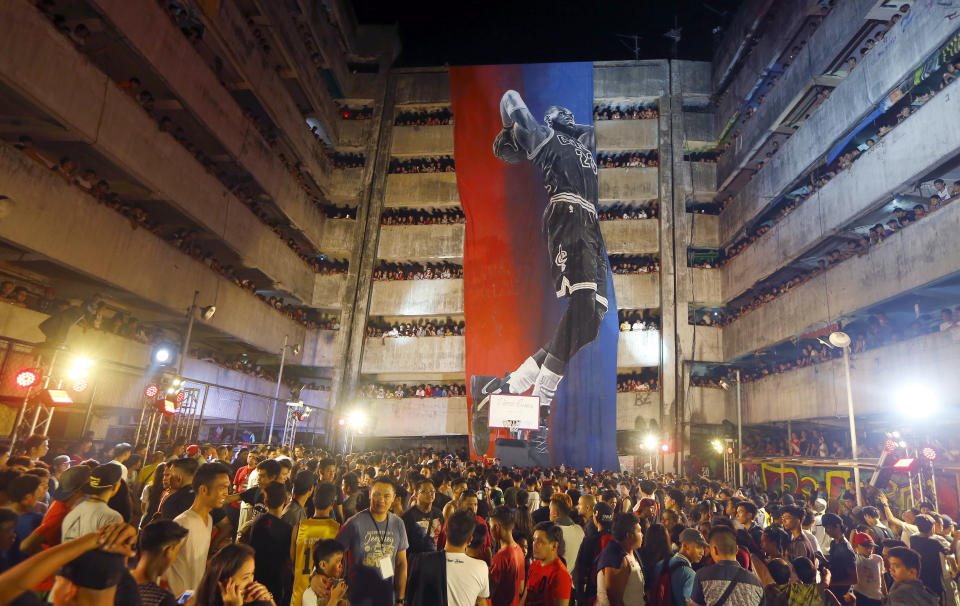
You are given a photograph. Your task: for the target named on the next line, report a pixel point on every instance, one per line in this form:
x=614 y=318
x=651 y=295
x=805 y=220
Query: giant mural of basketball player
x=563 y=152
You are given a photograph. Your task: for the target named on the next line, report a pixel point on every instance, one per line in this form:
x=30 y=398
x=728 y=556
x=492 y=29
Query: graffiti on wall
x=832 y=482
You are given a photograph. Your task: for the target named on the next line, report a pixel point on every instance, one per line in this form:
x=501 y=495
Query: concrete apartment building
x=224 y=149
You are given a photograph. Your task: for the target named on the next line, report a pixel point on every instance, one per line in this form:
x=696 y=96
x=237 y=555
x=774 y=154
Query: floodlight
x=162 y=354
x=839 y=339
x=356 y=419
x=27 y=377
x=207 y=312
x=919 y=398
x=650 y=442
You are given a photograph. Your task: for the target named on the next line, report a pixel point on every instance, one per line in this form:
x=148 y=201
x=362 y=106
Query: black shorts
x=578 y=257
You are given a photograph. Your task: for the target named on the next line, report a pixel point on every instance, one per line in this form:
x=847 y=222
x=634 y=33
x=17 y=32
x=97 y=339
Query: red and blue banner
x=510 y=301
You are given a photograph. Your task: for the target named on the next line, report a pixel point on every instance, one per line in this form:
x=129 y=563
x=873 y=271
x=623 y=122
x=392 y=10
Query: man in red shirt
x=64 y=499
x=467 y=501
x=548 y=582
x=508 y=569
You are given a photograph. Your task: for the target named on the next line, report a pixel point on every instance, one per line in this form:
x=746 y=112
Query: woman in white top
x=620 y=580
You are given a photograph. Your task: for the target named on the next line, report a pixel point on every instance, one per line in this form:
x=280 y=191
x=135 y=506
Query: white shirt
x=122 y=466
x=869 y=570
x=908 y=531
x=467 y=580
x=88 y=516
x=572 y=538
x=187 y=570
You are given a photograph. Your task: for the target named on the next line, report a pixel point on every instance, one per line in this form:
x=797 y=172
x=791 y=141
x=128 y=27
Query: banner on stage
x=515 y=412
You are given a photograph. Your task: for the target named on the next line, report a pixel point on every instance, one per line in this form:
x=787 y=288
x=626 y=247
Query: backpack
x=661 y=594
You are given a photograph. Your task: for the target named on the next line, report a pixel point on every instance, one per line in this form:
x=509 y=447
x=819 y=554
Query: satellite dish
x=839 y=339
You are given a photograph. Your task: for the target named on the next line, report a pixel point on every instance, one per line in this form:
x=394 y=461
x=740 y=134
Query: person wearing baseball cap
x=869 y=586
x=646 y=509
x=680 y=566
x=65 y=499
x=93 y=513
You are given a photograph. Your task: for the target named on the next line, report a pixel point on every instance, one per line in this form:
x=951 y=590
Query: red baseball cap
x=862 y=538
x=193 y=450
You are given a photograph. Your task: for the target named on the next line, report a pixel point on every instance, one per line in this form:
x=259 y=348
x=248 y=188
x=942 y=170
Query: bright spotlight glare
x=650 y=442
x=162 y=355
x=356 y=419
x=717 y=446
x=918 y=398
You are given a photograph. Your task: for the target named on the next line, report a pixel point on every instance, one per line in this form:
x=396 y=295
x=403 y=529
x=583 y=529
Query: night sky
x=469 y=32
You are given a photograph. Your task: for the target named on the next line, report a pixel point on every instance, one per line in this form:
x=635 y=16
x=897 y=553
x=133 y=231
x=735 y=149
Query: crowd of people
x=439 y=164
x=899 y=218
x=208 y=525
x=416 y=328
x=346 y=159
x=635 y=264
x=356 y=113
x=326 y=266
x=625 y=111
x=424 y=117
x=638 y=319
x=308 y=317
x=421 y=216
x=628 y=159
x=442 y=270
x=628 y=210
x=646 y=380
x=895 y=115
x=334 y=211
x=381 y=391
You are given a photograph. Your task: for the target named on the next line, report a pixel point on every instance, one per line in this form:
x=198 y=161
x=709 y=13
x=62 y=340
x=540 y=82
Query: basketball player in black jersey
x=563 y=151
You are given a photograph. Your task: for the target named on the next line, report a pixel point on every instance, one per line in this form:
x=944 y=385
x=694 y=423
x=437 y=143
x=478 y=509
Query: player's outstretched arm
x=529 y=133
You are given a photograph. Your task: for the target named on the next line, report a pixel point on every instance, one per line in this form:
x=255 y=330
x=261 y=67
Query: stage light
x=341 y=421
x=80 y=369
x=181 y=396
x=905 y=464
x=171 y=390
x=920 y=399
x=27 y=377
x=717 y=446
x=79 y=386
x=890 y=446
x=729 y=450
x=161 y=355
x=665 y=447
x=896 y=434
x=929 y=453
x=152 y=390
x=356 y=419
x=650 y=442
x=176 y=381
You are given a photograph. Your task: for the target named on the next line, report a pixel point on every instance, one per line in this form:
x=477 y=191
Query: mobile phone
x=185 y=597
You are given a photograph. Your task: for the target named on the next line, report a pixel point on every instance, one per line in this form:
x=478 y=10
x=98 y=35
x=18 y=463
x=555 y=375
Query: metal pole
x=186 y=340
x=236 y=423
x=203 y=407
x=919 y=474
x=853 y=426
x=276 y=395
x=143 y=413
x=740 y=428
x=933 y=482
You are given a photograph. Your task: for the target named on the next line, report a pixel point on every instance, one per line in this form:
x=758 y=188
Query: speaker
x=884 y=471
x=518 y=453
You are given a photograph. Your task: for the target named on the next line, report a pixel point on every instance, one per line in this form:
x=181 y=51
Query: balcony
x=698 y=128
x=355 y=133
x=434 y=140
x=339 y=237
x=344 y=185
x=637 y=291
x=638 y=349
x=636 y=409
x=629 y=183
x=413 y=355
x=630 y=79
x=704 y=342
x=416 y=298
x=929 y=137
x=631 y=236
x=820 y=391
x=903 y=262
x=710 y=406
x=422 y=189
x=33 y=56
x=420 y=242
x=624 y=135
x=328 y=291
x=423 y=86
x=706 y=231
x=696 y=177
x=704 y=286
x=149 y=32
x=412 y=417
x=837 y=30
x=863 y=90
x=320 y=348
x=66 y=226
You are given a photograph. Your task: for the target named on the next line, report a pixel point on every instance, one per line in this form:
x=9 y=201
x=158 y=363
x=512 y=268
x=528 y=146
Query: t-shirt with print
x=711 y=582
x=507 y=572
x=467 y=579
x=546 y=584
x=368 y=542
x=869 y=570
